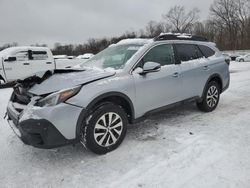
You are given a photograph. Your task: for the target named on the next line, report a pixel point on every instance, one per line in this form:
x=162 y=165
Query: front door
x=18 y=69
x=158 y=89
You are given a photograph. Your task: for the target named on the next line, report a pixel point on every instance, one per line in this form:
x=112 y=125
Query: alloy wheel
x=108 y=129
x=212 y=96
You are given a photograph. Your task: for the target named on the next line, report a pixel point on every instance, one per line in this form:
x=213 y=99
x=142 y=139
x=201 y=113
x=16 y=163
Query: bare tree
x=180 y=20
x=230 y=18
x=8 y=45
x=154 y=28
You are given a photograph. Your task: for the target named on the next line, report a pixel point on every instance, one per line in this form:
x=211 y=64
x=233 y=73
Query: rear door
x=194 y=68
x=40 y=61
x=157 y=89
x=18 y=69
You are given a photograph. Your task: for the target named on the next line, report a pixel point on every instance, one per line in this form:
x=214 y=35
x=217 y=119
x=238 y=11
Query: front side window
x=162 y=54
x=21 y=56
x=188 y=52
x=112 y=57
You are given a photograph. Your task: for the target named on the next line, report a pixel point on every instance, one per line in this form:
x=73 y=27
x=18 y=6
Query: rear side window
x=187 y=52
x=162 y=54
x=208 y=52
x=39 y=55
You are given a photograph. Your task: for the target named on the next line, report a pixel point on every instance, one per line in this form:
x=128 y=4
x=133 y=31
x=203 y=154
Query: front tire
x=105 y=128
x=241 y=60
x=211 y=97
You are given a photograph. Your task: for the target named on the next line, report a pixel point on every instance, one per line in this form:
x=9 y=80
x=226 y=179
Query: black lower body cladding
x=41 y=134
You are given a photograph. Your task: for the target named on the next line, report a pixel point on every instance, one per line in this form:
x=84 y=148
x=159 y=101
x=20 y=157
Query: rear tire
x=105 y=128
x=211 y=97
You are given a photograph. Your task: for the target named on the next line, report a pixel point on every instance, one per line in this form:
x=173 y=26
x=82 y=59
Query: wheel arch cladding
x=214 y=77
x=217 y=79
x=114 y=97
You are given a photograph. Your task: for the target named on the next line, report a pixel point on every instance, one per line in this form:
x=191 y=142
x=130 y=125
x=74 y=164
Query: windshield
x=112 y=57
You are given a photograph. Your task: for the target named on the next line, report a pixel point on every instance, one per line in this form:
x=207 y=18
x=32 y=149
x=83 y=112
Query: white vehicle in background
x=63 y=57
x=85 y=56
x=67 y=63
x=22 y=62
x=60 y=56
x=243 y=58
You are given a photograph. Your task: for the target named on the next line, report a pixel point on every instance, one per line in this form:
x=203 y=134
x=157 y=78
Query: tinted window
x=188 y=52
x=163 y=54
x=39 y=55
x=208 y=52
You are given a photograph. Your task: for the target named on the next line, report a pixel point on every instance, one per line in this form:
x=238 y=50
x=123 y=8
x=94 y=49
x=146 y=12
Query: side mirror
x=10 y=59
x=150 y=67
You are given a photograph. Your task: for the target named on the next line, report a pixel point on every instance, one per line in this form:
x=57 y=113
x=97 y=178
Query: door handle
x=176 y=75
x=26 y=64
x=48 y=62
x=206 y=67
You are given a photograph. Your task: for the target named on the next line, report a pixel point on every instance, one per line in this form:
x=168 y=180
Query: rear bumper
x=37 y=132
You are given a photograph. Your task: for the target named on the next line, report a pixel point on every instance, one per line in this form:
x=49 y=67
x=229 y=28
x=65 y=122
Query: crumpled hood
x=60 y=81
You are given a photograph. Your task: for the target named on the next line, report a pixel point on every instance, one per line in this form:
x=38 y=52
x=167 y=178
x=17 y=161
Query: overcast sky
x=74 y=21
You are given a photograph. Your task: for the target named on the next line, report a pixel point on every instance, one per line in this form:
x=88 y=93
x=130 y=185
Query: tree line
x=228 y=25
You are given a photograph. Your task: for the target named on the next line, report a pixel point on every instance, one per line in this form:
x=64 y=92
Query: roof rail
x=179 y=36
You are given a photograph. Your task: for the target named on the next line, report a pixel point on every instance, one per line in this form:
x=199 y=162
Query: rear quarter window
x=208 y=52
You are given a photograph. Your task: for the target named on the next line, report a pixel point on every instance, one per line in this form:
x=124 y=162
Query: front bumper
x=40 y=134
x=41 y=131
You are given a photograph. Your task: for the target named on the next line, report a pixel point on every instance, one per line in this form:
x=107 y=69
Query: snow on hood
x=61 y=81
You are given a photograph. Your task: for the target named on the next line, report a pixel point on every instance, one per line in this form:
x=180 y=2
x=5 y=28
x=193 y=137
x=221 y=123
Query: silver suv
x=94 y=102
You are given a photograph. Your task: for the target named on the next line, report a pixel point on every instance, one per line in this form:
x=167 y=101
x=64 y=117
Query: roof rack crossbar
x=179 y=36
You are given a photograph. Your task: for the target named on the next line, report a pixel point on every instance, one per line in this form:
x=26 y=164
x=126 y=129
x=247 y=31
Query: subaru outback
x=94 y=102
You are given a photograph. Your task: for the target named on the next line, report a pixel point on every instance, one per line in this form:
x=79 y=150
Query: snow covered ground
x=180 y=147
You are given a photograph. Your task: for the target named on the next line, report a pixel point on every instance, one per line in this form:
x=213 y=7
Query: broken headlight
x=58 y=97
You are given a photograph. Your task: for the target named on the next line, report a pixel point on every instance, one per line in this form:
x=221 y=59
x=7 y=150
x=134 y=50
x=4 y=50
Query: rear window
x=208 y=52
x=187 y=52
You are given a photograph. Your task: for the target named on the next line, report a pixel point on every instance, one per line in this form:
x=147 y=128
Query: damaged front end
x=35 y=125
x=38 y=111
x=33 y=122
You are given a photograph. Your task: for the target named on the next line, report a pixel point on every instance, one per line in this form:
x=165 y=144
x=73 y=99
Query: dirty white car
x=243 y=58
